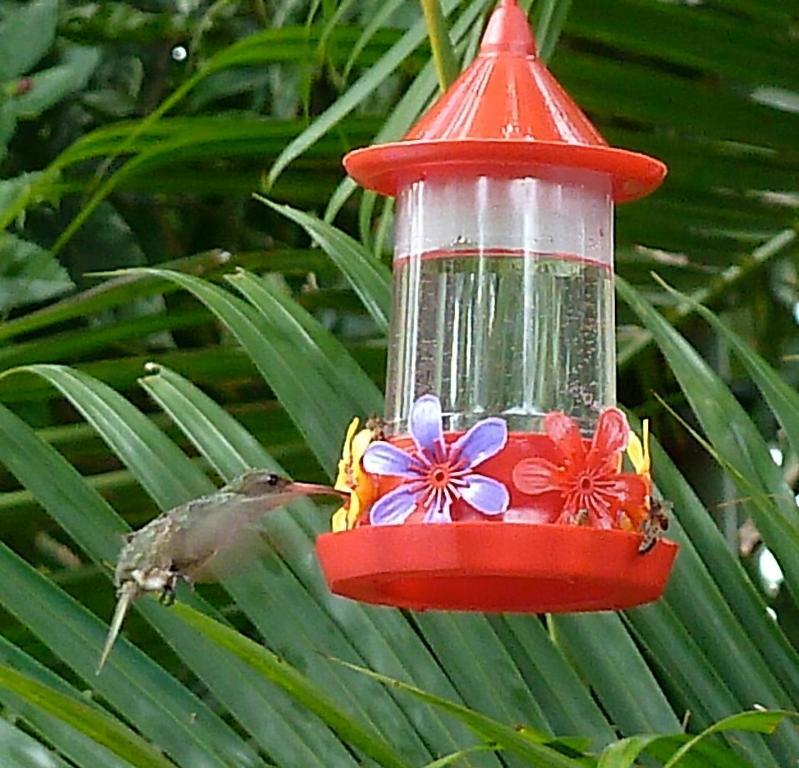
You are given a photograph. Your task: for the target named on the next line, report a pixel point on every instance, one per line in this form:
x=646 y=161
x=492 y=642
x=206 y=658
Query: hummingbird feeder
x=495 y=481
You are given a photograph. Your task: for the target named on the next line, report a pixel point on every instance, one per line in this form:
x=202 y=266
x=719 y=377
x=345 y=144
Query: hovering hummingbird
x=180 y=544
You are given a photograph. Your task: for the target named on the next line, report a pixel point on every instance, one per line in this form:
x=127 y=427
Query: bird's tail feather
x=127 y=595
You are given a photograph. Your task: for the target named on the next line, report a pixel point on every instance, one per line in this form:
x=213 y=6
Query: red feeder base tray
x=475 y=566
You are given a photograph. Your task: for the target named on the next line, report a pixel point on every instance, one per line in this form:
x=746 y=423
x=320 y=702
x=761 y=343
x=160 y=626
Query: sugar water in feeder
x=503 y=300
x=495 y=481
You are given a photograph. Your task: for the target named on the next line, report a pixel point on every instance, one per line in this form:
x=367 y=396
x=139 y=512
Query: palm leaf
x=100 y=727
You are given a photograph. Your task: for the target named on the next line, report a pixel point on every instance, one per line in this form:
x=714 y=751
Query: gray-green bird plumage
x=181 y=544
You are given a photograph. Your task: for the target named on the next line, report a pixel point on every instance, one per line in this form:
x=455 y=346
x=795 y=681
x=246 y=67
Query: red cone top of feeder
x=505 y=115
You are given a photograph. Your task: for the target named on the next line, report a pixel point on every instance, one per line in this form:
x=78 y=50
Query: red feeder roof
x=505 y=115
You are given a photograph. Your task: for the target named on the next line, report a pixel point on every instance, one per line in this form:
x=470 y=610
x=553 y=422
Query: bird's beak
x=312 y=489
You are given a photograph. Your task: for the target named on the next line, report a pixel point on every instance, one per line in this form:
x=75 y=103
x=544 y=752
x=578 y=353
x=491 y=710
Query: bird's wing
x=211 y=525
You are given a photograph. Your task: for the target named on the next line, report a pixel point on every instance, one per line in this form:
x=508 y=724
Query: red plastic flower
x=589 y=482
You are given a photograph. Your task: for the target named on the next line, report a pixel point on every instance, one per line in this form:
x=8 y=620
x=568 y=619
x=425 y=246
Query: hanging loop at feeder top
x=505 y=115
x=508 y=31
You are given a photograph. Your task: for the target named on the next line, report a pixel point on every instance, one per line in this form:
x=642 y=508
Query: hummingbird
x=180 y=544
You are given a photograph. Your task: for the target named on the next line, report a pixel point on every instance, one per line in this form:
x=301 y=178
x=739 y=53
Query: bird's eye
x=273 y=479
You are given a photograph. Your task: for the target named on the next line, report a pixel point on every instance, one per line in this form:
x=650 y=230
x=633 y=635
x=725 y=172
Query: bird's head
x=259 y=484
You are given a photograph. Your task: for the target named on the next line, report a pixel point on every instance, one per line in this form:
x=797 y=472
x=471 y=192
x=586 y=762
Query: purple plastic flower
x=435 y=474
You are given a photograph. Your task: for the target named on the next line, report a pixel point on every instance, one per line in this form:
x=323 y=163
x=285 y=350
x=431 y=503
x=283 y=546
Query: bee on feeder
x=655 y=524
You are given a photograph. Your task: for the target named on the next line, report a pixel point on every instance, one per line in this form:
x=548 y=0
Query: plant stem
x=443 y=55
x=734 y=274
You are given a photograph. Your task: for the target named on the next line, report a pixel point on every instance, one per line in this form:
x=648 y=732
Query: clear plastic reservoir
x=503 y=300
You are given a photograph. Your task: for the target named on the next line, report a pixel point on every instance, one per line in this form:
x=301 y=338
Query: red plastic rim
x=503 y=253
x=385 y=167
x=477 y=566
